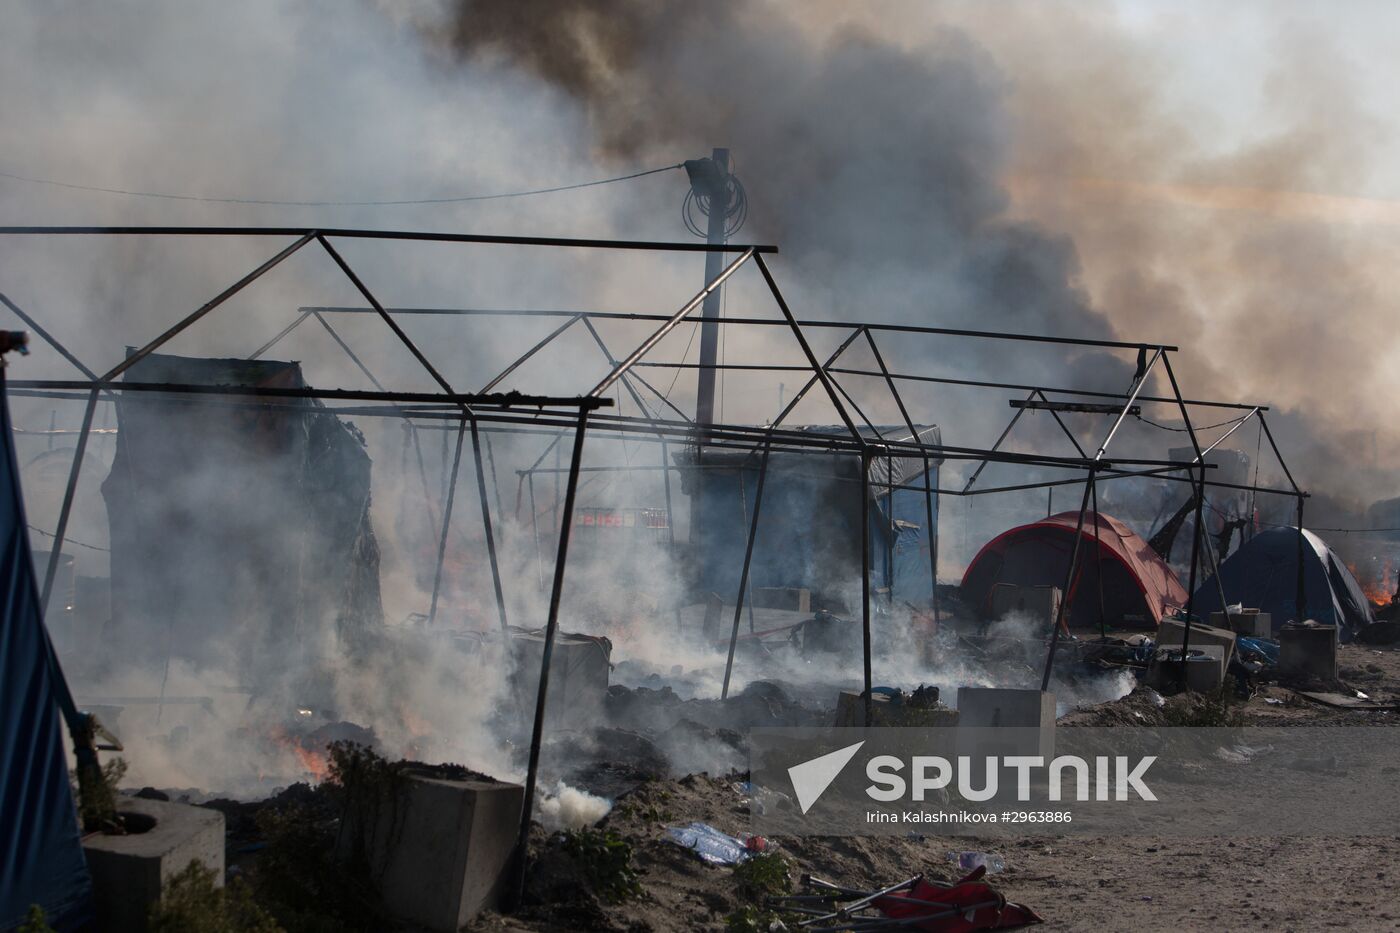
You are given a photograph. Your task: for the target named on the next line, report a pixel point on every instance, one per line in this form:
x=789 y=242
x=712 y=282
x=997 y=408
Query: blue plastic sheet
x=1266 y=650
x=713 y=846
x=41 y=859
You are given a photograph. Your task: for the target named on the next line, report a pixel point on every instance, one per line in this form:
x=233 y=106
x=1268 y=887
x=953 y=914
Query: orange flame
x=314 y=762
x=1380 y=584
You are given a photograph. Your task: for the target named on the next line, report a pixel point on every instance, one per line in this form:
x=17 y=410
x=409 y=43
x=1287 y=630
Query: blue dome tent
x=1263 y=574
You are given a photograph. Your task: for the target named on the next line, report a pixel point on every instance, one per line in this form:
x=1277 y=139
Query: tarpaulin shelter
x=41 y=861
x=1138 y=586
x=1263 y=575
x=241 y=526
x=809 y=521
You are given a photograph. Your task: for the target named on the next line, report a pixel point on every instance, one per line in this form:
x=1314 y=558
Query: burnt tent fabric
x=41 y=860
x=241 y=526
x=1138 y=586
x=1263 y=575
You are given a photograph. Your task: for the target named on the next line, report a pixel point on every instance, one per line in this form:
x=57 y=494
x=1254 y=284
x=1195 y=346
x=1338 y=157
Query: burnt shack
x=809 y=534
x=239 y=526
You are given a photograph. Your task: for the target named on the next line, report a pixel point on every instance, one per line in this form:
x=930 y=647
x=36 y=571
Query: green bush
x=761 y=876
x=97 y=794
x=605 y=860
x=750 y=919
x=35 y=921
x=314 y=874
x=193 y=904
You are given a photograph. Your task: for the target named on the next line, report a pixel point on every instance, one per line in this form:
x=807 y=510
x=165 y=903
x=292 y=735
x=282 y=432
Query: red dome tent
x=1138 y=586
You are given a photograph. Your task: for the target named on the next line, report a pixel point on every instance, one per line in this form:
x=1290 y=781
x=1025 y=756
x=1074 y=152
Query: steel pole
x=1302 y=595
x=1195 y=557
x=551 y=630
x=1069 y=583
x=865 y=585
x=69 y=493
x=446 y=522
x=486 y=524
x=744 y=574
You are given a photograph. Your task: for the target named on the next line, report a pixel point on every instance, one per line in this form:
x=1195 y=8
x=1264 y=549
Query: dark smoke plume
x=877 y=169
x=913 y=172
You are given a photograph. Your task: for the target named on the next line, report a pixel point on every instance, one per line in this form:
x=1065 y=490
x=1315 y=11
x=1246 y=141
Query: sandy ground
x=1265 y=882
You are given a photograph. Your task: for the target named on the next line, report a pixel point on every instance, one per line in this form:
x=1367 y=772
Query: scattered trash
x=1342 y=701
x=761 y=799
x=915 y=837
x=1273 y=701
x=1155 y=698
x=969 y=861
x=1240 y=754
x=916 y=904
x=713 y=846
x=1257 y=649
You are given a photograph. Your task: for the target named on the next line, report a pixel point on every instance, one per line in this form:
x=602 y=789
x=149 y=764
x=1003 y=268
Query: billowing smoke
x=1049 y=168
x=878 y=169
x=1006 y=167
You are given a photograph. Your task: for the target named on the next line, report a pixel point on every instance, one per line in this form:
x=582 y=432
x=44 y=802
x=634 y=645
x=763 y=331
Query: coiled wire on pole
x=736 y=208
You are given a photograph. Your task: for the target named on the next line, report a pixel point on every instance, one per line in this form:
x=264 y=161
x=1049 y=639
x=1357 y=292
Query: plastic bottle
x=969 y=861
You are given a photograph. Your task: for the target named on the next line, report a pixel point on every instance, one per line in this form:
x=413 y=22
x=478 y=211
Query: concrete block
x=1308 y=650
x=791 y=598
x=442 y=850
x=1028 y=715
x=1171 y=632
x=850 y=711
x=1205 y=668
x=578 y=677
x=1041 y=603
x=1250 y=623
x=130 y=872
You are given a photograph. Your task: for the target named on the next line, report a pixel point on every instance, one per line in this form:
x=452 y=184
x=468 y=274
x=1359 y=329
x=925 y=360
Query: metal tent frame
x=557 y=416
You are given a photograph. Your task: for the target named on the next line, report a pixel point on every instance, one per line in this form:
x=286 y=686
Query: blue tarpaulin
x=41 y=860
